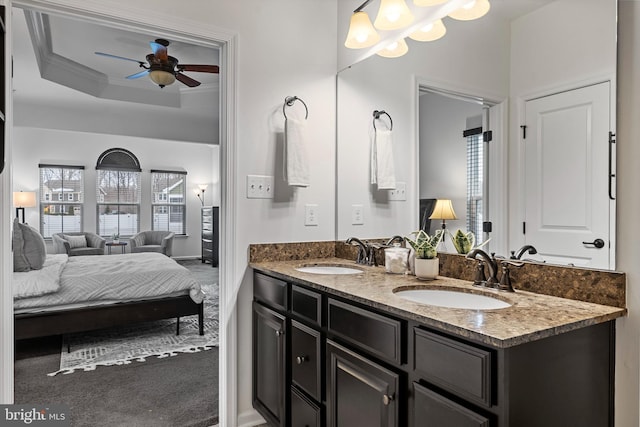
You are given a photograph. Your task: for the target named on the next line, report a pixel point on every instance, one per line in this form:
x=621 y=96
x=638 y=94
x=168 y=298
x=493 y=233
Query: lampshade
x=24 y=199
x=361 y=32
x=393 y=15
x=395 y=49
x=162 y=78
x=473 y=10
x=428 y=2
x=430 y=32
x=202 y=187
x=443 y=210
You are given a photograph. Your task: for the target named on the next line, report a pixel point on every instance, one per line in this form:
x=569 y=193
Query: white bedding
x=97 y=279
x=40 y=282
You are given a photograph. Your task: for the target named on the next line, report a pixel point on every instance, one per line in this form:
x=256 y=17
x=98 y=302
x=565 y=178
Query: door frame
x=521 y=101
x=195 y=32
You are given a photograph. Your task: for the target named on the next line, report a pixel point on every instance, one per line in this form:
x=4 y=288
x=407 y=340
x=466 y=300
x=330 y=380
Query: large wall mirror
x=549 y=65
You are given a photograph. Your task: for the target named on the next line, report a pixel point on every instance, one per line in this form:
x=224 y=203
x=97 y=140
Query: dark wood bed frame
x=35 y=325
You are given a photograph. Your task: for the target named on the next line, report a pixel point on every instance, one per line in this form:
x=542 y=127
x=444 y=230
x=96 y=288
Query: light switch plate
x=310 y=214
x=260 y=187
x=357 y=217
x=400 y=193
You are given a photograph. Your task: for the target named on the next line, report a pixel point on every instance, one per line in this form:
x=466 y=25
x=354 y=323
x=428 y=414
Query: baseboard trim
x=250 y=418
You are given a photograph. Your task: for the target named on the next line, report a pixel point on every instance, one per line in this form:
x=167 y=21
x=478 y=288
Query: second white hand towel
x=296 y=158
x=382 y=169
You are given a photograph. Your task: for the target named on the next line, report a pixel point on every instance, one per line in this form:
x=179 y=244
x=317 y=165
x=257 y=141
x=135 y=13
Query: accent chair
x=78 y=243
x=153 y=241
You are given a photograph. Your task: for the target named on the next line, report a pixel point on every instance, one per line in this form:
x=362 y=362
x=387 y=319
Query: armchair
x=153 y=241
x=78 y=243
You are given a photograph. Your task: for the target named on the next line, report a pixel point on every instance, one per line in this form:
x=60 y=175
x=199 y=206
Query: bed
x=82 y=293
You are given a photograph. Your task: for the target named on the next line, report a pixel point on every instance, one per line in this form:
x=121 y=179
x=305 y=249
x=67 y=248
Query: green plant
x=425 y=245
x=115 y=236
x=463 y=242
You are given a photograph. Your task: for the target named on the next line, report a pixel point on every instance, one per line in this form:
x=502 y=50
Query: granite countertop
x=530 y=317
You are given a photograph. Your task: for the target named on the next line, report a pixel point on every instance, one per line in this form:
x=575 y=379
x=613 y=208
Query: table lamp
x=23 y=199
x=443 y=210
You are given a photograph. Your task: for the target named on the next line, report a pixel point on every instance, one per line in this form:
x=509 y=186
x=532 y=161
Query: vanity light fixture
x=430 y=32
x=23 y=199
x=393 y=15
x=200 y=192
x=395 y=49
x=428 y=2
x=473 y=10
x=361 y=32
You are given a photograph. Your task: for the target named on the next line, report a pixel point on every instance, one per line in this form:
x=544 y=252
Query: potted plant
x=426 y=255
x=464 y=242
x=115 y=237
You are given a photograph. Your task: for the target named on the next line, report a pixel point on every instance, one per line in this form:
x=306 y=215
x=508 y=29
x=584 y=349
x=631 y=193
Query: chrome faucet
x=520 y=252
x=394 y=239
x=363 y=250
x=491 y=263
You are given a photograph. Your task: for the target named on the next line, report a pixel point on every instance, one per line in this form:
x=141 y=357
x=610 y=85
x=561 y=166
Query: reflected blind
x=475 y=180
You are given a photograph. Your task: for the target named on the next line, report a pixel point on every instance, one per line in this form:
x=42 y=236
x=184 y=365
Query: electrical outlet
x=311 y=215
x=400 y=193
x=259 y=187
x=357 y=217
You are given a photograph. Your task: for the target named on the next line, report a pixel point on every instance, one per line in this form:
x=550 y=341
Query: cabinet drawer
x=306 y=352
x=207 y=244
x=433 y=410
x=207 y=234
x=306 y=303
x=458 y=367
x=303 y=412
x=378 y=334
x=207 y=211
x=270 y=290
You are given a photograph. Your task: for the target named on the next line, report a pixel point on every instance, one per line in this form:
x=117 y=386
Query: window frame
x=61 y=205
x=165 y=202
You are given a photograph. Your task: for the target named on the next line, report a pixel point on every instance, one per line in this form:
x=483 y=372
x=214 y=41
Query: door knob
x=387 y=399
x=279 y=333
x=598 y=243
x=301 y=359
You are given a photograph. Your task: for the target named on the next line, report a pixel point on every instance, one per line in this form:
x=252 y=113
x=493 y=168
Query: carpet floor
x=176 y=391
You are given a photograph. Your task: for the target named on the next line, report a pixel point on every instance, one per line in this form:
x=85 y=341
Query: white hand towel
x=382 y=170
x=296 y=159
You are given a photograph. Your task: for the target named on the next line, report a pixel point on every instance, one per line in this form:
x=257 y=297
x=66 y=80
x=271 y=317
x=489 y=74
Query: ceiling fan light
x=430 y=32
x=361 y=32
x=393 y=15
x=473 y=10
x=162 y=78
x=428 y=2
x=395 y=49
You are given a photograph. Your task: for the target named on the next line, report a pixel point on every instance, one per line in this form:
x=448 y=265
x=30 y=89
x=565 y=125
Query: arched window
x=118 y=193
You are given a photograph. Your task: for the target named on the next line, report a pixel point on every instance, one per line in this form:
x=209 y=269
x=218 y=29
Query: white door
x=567 y=203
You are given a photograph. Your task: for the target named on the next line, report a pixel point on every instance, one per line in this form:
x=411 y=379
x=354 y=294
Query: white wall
x=443 y=152
x=34 y=146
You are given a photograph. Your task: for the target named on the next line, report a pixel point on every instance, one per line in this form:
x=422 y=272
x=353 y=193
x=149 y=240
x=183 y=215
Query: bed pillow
x=34 y=250
x=20 y=262
x=76 y=241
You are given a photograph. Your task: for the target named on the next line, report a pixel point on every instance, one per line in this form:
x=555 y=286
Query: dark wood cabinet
x=269 y=364
x=210 y=221
x=342 y=363
x=360 y=393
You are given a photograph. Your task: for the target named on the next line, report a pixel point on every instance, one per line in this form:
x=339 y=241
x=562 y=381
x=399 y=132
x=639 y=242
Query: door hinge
x=487 y=136
x=524 y=131
x=524 y=227
x=487 y=226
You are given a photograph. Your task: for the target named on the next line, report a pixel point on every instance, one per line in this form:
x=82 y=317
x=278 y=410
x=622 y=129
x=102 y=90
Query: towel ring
x=289 y=101
x=376 y=116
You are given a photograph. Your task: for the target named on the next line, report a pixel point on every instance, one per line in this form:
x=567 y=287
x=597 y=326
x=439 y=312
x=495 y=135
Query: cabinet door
x=433 y=410
x=360 y=393
x=269 y=369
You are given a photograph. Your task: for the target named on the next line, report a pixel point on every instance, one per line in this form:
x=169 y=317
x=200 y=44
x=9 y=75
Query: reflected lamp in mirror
x=443 y=210
x=394 y=50
x=473 y=10
x=361 y=32
x=393 y=15
x=200 y=192
x=23 y=199
x=432 y=31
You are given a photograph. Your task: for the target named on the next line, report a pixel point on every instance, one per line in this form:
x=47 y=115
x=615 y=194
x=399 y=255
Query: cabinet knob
x=279 y=332
x=387 y=399
x=301 y=359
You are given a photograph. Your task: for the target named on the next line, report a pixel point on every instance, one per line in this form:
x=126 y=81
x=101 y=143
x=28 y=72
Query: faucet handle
x=481 y=278
x=505 y=280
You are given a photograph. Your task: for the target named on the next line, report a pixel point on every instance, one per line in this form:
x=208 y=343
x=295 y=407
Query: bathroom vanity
x=345 y=350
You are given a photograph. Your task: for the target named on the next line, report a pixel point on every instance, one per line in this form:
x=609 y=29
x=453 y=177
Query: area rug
x=124 y=345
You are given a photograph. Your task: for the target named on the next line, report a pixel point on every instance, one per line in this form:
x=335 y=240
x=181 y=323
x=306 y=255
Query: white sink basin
x=452 y=299
x=328 y=269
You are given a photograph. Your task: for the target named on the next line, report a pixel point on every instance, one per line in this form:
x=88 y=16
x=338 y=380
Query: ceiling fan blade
x=159 y=50
x=138 y=75
x=119 y=57
x=199 y=68
x=187 y=80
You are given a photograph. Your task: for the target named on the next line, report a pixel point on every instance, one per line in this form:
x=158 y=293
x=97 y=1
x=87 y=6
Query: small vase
x=116 y=241
x=427 y=269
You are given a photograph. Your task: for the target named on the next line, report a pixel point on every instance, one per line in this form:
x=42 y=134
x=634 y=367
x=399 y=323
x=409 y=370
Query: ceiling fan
x=164 y=69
